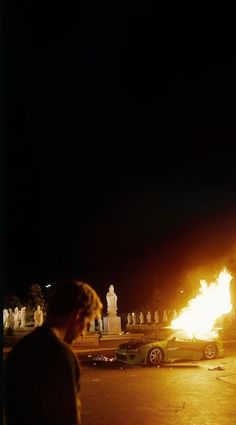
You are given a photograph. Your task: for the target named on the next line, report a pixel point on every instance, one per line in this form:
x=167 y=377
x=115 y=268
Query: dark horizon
x=194 y=251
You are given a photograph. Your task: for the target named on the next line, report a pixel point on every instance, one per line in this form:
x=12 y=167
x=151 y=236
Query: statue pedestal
x=112 y=325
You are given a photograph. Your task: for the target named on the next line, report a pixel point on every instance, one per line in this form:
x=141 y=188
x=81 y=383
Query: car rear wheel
x=155 y=357
x=210 y=351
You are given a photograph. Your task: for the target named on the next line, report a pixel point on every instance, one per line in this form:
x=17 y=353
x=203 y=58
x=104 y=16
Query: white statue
x=156 y=317
x=5 y=317
x=38 y=317
x=174 y=315
x=141 y=318
x=129 y=319
x=16 y=316
x=134 y=319
x=92 y=326
x=165 y=317
x=149 y=317
x=100 y=324
x=111 y=302
x=22 y=317
x=10 y=319
x=233 y=313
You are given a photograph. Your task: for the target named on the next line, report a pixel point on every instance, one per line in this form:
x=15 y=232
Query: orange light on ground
x=213 y=301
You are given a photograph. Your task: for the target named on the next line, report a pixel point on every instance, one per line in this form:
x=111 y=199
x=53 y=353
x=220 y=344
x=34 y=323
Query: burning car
x=171 y=345
x=192 y=335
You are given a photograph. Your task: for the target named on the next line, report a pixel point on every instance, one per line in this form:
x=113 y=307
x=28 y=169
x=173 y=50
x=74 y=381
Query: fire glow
x=213 y=301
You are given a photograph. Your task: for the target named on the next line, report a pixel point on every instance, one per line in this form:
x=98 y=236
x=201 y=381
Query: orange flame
x=213 y=301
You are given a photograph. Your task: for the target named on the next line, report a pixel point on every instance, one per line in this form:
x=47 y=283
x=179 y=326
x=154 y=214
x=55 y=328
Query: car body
x=169 y=346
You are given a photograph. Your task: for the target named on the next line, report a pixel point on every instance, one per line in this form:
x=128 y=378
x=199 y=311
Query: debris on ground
x=101 y=358
x=216 y=368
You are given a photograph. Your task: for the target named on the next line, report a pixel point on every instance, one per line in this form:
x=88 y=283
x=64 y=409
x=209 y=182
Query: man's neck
x=59 y=332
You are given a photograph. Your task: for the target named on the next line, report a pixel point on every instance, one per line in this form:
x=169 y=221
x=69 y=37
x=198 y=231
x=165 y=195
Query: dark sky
x=120 y=146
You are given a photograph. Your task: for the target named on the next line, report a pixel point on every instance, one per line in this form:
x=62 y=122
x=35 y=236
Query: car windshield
x=169 y=333
x=179 y=335
x=163 y=333
x=182 y=336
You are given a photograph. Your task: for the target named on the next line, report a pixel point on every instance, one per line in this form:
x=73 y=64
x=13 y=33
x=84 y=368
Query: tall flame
x=212 y=302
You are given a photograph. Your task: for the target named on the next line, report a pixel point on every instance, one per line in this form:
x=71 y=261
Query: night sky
x=120 y=146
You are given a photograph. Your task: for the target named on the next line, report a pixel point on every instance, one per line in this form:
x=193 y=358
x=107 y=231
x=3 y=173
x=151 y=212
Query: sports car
x=169 y=346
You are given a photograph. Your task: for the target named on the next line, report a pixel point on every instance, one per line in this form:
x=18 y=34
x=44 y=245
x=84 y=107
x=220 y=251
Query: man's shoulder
x=43 y=345
x=39 y=338
x=67 y=351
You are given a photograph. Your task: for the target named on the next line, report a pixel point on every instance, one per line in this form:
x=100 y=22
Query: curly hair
x=73 y=295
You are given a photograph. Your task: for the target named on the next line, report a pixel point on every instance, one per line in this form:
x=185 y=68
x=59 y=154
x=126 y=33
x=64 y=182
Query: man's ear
x=78 y=314
x=74 y=315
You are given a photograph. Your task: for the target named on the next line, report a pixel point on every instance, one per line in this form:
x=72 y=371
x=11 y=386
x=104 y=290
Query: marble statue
x=134 y=319
x=22 y=317
x=149 y=317
x=111 y=322
x=100 y=324
x=165 y=318
x=141 y=318
x=174 y=315
x=5 y=317
x=16 y=315
x=129 y=319
x=38 y=317
x=156 y=317
x=92 y=326
x=111 y=302
x=233 y=314
x=10 y=319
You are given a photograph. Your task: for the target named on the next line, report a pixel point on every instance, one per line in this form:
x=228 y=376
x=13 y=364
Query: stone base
x=112 y=325
x=86 y=340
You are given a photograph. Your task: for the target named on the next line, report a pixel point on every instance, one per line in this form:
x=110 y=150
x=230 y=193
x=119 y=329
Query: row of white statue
x=17 y=318
x=134 y=319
